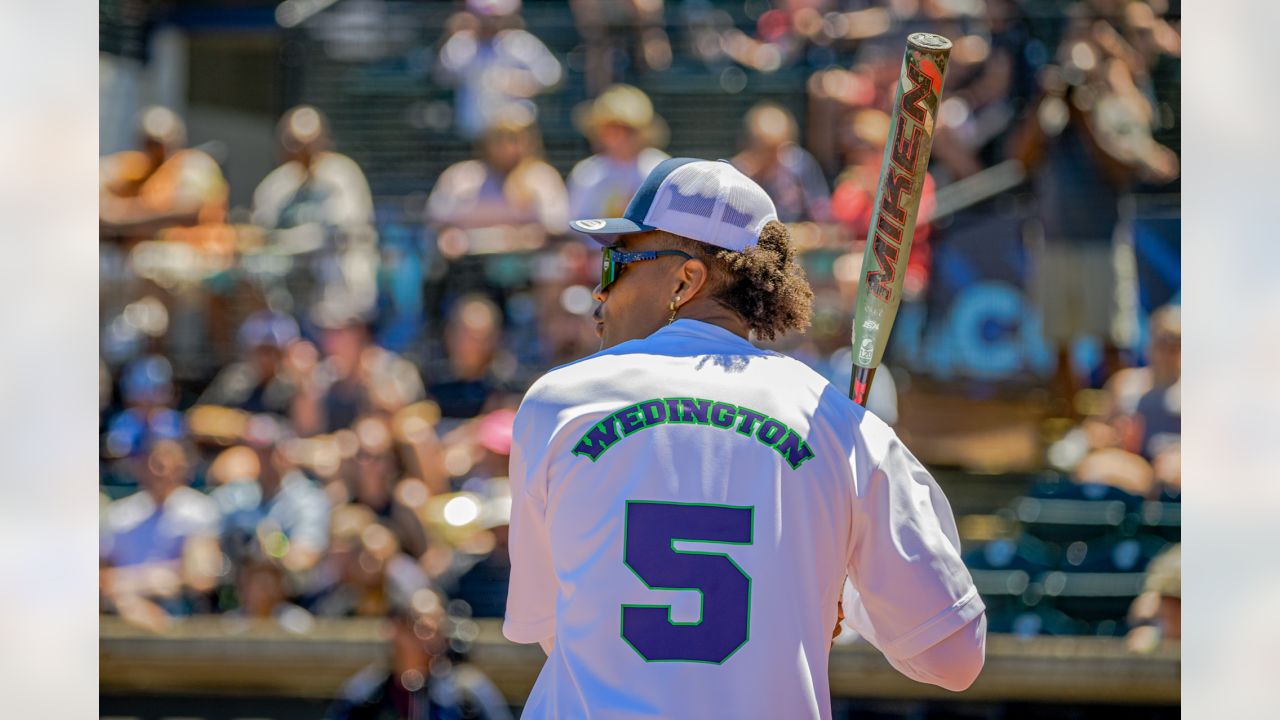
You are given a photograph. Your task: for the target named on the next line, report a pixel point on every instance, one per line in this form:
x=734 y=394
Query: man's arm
x=531 y=595
x=910 y=594
x=952 y=664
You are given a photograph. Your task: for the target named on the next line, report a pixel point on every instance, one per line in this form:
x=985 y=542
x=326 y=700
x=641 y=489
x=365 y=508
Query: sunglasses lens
x=607 y=269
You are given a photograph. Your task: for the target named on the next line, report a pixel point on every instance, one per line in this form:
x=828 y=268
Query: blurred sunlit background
x=334 y=253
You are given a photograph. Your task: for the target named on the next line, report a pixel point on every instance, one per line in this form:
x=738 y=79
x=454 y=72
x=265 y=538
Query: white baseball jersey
x=685 y=509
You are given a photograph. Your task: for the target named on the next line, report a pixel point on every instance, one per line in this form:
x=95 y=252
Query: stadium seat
x=1066 y=521
x=1002 y=570
x=1024 y=552
x=1092 y=596
x=1031 y=621
x=1112 y=554
x=1065 y=489
x=1163 y=519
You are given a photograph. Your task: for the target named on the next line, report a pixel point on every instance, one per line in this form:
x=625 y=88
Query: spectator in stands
x=1156 y=614
x=987 y=84
x=626 y=134
x=790 y=175
x=1158 y=414
x=364 y=572
x=621 y=34
x=484 y=584
x=163 y=185
x=104 y=391
x=263 y=592
x=419 y=679
x=172 y=193
x=371 y=479
x=318 y=201
x=414 y=429
x=159 y=547
x=148 y=415
x=313 y=184
x=1150 y=49
x=508 y=185
x=854 y=198
x=782 y=36
x=1167 y=465
x=280 y=508
x=1085 y=141
x=260 y=382
x=487 y=441
x=493 y=63
x=1127 y=388
x=355 y=376
x=1117 y=468
x=470 y=384
x=836 y=94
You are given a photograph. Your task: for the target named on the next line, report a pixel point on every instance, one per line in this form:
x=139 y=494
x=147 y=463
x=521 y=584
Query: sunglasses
x=614 y=260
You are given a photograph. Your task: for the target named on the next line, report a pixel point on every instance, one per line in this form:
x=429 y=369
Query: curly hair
x=762 y=284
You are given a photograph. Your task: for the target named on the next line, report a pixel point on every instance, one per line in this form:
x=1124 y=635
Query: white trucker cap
x=704 y=200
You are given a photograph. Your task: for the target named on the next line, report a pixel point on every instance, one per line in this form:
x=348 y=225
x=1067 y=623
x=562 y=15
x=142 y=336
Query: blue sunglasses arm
x=623 y=257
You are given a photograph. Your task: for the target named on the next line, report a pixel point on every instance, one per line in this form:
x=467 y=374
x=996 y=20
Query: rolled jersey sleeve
x=531 y=595
x=908 y=588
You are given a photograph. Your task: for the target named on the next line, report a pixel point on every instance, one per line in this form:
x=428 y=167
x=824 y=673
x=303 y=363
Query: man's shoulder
x=829 y=405
x=572 y=383
x=560 y=385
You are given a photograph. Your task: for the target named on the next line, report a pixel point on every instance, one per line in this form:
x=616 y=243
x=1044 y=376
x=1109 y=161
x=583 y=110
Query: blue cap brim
x=602 y=229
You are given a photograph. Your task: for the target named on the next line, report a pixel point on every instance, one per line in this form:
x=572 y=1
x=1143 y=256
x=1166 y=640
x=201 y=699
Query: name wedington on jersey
x=694 y=411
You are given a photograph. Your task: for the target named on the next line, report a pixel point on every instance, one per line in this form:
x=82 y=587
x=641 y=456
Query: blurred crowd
x=272 y=449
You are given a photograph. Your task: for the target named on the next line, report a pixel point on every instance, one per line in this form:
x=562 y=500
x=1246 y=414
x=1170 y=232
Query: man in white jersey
x=686 y=506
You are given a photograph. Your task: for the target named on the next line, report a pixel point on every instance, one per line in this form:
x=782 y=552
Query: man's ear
x=693 y=276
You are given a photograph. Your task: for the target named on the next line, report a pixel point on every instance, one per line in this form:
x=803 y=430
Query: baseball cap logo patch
x=590 y=224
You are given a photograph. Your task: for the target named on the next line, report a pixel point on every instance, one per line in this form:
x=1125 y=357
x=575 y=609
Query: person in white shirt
x=158 y=548
x=626 y=135
x=507 y=184
x=686 y=507
x=317 y=206
x=493 y=62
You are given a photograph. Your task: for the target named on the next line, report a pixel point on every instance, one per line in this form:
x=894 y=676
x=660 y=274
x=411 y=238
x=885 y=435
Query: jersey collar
x=703 y=331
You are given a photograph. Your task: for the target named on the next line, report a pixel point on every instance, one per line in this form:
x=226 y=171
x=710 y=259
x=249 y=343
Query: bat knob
x=929 y=41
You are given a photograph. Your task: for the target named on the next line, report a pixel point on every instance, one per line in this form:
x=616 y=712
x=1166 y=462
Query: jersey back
x=685 y=510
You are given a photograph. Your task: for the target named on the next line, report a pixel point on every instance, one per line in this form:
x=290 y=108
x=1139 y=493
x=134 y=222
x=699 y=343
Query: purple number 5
x=652 y=529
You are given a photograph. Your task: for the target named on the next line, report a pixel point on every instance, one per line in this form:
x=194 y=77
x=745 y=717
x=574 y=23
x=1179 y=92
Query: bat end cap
x=929 y=42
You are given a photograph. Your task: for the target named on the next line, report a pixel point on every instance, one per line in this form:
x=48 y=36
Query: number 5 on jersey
x=724 y=625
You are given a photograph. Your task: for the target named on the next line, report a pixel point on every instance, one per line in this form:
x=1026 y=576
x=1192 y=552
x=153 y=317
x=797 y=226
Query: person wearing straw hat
x=626 y=134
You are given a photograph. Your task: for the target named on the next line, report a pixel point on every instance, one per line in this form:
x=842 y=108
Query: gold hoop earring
x=673 y=309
